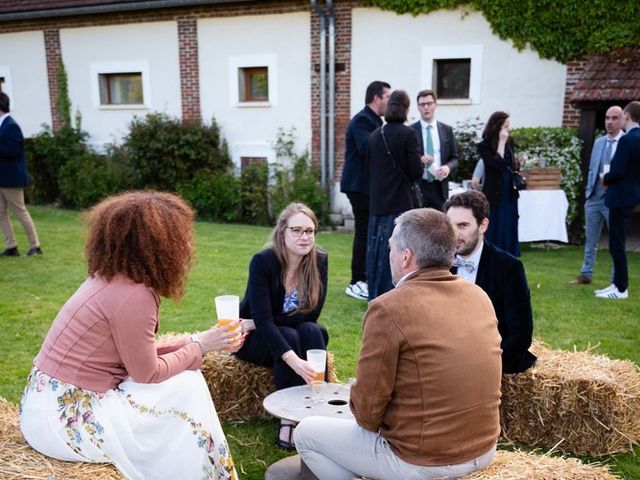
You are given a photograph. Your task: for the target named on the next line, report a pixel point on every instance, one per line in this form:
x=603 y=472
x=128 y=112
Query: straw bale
x=237 y=387
x=579 y=402
x=520 y=465
x=19 y=461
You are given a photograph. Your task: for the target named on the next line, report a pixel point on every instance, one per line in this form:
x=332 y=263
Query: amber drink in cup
x=318 y=360
x=228 y=311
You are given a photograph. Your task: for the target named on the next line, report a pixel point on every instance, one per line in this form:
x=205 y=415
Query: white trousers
x=336 y=449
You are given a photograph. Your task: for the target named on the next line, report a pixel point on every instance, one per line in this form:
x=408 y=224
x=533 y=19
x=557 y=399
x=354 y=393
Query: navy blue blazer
x=502 y=277
x=13 y=166
x=623 y=179
x=355 y=177
x=264 y=298
x=448 y=150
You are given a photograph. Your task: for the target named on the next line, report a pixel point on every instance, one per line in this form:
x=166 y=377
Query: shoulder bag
x=416 y=194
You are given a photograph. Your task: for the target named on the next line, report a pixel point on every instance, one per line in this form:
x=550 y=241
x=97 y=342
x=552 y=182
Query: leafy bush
x=214 y=195
x=467 y=136
x=254 y=194
x=86 y=179
x=162 y=152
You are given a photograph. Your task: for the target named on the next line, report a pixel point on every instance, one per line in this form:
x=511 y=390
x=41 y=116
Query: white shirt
x=614 y=145
x=404 y=277
x=475 y=258
x=436 y=140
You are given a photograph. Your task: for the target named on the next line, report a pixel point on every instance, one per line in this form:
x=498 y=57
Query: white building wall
x=152 y=47
x=280 y=41
x=23 y=64
x=395 y=48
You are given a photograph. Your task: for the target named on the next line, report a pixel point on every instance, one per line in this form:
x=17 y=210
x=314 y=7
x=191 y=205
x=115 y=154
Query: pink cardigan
x=106 y=333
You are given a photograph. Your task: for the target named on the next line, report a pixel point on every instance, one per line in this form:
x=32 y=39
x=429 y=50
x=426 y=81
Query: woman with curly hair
x=102 y=389
x=285 y=293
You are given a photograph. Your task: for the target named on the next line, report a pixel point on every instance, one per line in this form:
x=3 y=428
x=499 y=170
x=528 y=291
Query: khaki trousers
x=13 y=199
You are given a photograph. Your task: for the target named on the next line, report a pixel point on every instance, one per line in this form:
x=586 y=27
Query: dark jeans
x=432 y=194
x=360 y=206
x=618 y=227
x=303 y=337
x=378 y=269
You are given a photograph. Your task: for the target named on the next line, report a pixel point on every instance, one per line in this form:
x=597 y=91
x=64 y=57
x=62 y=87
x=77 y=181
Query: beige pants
x=13 y=199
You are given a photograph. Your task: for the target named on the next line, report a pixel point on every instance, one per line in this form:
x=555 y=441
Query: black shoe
x=284 y=444
x=34 y=251
x=10 y=252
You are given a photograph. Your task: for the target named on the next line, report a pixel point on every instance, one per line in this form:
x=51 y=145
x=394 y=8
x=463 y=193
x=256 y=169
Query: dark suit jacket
x=448 y=150
x=13 y=166
x=390 y=191
x=354 y=174
x=494 y=164
x=264 y=298
x=503 y=279
x=623 y=180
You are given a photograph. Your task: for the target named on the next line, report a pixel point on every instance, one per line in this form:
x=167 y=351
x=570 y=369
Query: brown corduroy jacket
x=429 y=371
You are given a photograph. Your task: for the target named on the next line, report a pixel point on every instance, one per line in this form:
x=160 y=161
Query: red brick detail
x=53 y=55
x=571 y=114
x=342 y=30
x=189 y=70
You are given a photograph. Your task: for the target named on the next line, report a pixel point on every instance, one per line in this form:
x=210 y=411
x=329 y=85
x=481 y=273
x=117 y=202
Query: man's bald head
x=613 y=121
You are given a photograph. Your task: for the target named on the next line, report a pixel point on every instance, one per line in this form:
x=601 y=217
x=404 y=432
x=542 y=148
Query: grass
x=34 y=289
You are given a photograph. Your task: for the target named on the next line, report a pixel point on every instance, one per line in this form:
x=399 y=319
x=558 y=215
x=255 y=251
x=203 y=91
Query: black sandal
x=285 y=445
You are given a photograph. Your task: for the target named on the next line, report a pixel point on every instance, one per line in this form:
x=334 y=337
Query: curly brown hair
x=143 y=235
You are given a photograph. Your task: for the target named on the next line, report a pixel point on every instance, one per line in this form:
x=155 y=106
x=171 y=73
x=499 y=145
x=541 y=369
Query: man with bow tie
x=498 y=273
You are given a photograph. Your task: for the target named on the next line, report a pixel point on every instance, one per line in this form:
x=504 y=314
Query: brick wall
x=189 y=71
x=54 y=57
x=570 y=114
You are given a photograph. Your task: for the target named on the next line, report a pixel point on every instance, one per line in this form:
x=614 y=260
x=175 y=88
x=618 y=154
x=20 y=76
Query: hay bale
x=583 y=403
x=520 y=465
x=237 y=387
x=19 y=461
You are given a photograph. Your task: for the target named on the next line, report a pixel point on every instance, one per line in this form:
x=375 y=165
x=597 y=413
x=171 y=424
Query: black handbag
x=417 y=199
x=519 y=182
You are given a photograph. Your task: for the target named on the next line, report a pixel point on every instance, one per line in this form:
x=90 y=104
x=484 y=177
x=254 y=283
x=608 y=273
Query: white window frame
x=7 y=86
x=472 y=52
x=97 y=69
x=237 y=62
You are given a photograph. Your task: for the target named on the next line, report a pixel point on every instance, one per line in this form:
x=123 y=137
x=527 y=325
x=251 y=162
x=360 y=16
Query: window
x=248 y=161
x=253 y=84
x=451 y=77
x=121 y=88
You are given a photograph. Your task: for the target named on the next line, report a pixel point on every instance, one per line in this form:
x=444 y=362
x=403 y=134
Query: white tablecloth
x=543 y=215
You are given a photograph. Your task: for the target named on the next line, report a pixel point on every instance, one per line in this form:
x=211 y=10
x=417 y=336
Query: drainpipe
x=323 y=88
x=332 y=83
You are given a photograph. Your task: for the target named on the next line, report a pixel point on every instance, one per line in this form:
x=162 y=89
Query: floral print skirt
x=165 y=430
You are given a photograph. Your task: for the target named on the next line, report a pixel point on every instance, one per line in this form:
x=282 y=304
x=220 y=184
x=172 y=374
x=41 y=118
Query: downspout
x=323 y=88
x=332 y=84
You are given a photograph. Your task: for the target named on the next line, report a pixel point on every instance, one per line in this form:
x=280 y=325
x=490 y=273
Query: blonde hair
x=309 y=281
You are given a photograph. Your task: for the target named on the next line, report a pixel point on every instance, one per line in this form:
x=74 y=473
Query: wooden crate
x=547 y=178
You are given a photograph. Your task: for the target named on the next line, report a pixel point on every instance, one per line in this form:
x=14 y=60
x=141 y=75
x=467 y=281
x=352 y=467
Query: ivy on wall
x=557 y=29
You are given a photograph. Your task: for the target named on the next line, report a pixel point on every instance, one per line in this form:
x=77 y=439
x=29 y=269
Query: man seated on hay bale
x=498 y=273
x=428 y=379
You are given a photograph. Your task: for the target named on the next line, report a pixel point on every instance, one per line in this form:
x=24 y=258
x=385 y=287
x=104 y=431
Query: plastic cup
x=318 y=360
x=228 y=310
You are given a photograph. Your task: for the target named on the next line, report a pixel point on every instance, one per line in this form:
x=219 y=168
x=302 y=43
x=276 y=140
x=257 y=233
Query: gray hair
x=429 y=234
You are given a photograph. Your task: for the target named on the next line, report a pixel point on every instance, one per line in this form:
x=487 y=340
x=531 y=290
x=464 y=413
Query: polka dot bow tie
x=468 y=265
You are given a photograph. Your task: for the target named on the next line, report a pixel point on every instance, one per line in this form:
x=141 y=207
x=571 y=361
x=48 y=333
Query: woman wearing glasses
x=285 y=292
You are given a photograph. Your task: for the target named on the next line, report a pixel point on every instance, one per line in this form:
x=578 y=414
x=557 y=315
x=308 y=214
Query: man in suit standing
x=426 y=401
x=498 y=273
x=355 y=180
x=595 y=211
x=623 y=194
x=13 y=179
x=439 y=152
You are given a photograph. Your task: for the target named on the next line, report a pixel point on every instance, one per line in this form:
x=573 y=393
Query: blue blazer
x=13 y=166
x=623 y=179
x=355 y=177
x=594 y=165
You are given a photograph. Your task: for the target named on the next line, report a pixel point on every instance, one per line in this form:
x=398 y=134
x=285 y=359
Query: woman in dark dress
x=393 y=160
x=285 y=293
x=496 y=151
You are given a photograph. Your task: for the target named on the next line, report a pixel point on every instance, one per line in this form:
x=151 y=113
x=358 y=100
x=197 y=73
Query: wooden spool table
x=296 y=403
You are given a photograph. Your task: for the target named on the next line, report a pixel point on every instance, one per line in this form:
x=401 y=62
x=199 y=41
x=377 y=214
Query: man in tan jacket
x=428 y=378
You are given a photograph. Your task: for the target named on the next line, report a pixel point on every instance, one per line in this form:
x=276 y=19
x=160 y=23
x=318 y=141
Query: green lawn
x=33 y=289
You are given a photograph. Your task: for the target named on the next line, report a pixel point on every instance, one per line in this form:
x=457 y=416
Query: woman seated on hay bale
x=101 y=389
x=285 y=292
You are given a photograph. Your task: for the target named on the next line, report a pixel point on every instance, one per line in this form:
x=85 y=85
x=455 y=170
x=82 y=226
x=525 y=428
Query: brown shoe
x=580 y=280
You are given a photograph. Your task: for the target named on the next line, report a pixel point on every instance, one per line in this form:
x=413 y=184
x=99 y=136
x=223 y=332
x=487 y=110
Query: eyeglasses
x=298 y=231
x=426 y=104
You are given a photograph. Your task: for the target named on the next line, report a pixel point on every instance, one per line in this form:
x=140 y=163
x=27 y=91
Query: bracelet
x=197 y=341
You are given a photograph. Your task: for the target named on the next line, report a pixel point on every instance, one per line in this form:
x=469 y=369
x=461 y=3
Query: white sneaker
x=606 y=289
x=357 y=291
x=614 y=294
